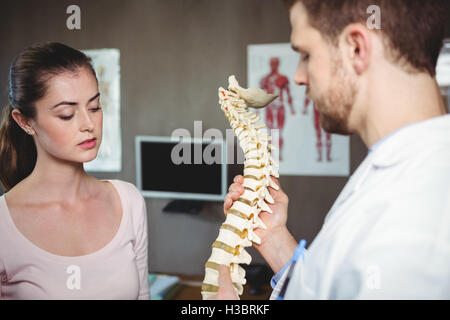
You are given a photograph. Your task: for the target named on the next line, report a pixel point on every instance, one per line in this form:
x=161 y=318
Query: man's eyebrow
x=70 y=103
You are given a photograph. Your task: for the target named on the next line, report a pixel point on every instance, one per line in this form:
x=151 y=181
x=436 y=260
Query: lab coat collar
x=411 y=140
x=401 y=146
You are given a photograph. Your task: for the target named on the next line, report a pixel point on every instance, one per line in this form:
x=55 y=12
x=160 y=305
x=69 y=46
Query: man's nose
x=301 y=77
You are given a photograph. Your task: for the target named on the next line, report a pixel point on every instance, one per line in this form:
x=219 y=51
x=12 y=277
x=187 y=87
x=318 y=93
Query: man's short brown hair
x=413 y=30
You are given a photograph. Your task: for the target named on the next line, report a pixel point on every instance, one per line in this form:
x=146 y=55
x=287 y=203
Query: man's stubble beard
x=335 y=105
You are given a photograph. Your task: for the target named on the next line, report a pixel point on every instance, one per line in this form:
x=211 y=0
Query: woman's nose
x=86 y=122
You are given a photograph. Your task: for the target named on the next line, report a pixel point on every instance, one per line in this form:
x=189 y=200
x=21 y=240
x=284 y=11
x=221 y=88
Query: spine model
x=237 y=232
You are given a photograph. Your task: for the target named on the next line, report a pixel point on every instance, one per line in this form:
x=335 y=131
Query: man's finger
x=235 y=187
x=277 y=182
x=233 y=195
x=225 y=281
x=226 y=289
x=227 y=204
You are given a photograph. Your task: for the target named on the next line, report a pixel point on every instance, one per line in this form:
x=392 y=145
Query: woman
x=63 y=234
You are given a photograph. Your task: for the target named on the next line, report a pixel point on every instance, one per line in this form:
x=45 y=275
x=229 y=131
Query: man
x=387 y=235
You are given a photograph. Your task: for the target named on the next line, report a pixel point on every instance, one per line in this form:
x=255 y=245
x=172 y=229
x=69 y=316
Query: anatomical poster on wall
x=106 y=63
x=304 y=148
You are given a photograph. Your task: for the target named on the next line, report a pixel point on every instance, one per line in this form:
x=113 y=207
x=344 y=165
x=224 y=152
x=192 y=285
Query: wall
x=174 y=56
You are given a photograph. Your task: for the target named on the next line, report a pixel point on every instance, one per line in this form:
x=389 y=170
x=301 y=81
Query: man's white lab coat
x=387 y=234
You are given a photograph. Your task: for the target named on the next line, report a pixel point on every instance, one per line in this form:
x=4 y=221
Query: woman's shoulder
x=3 y=207
x=126 y=187
x=128 y=191
x=134 y=201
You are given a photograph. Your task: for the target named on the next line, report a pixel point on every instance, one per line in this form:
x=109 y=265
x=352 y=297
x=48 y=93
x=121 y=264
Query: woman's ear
x=22 y=121
x=357 y=46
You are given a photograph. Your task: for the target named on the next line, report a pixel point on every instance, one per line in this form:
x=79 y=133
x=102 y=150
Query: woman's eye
x=70 y=117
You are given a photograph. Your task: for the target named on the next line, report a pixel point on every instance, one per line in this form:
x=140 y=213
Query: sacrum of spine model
x=237 y=232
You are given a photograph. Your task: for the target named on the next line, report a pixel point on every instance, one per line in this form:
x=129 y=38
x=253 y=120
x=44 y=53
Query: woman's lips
x=88 y=144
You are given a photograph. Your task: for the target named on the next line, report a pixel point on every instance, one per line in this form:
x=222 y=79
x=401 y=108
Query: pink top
x=117 y=271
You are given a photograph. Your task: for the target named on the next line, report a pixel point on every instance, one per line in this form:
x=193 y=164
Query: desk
x=189 y=288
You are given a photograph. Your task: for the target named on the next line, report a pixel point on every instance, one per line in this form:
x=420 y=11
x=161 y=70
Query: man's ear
x=357 y=46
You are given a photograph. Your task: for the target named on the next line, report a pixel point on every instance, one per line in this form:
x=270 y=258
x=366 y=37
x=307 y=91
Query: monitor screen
x=188 y=169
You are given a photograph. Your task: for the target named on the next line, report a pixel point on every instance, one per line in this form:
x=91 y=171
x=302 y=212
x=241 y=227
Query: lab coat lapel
x=398 y=148
x=353 y=183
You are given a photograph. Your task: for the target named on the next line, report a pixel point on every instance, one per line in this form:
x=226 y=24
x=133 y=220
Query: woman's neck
x=59 y=181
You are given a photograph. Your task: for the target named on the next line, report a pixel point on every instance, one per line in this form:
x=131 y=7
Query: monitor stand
x=193 y=207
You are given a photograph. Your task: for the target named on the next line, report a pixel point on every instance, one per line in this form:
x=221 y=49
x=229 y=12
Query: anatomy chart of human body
x=275 y=112
x=304 y=147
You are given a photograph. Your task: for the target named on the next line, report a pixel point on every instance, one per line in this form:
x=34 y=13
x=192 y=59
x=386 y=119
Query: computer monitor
x=181 y=168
